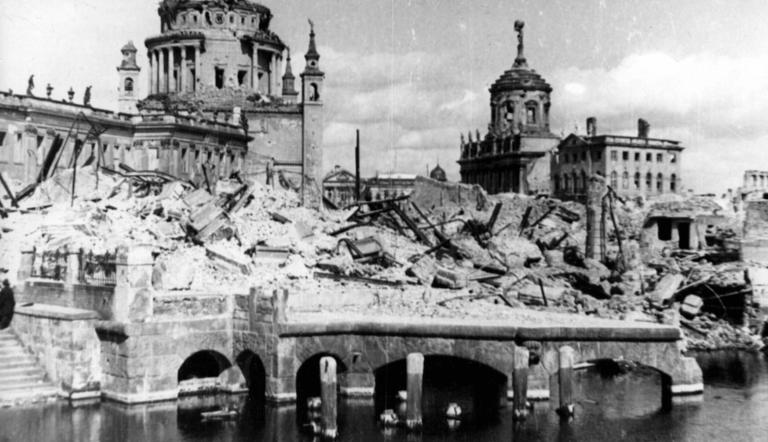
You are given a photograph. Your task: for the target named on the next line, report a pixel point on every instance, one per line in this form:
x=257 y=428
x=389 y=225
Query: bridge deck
x=521 y=325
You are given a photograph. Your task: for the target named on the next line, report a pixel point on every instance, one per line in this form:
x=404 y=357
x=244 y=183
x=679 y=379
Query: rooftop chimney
x=642 y=128
x=592 y=127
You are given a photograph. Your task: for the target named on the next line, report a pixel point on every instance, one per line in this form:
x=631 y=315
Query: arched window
x=648 y=181
x=660 y=183
x=128 y=85
x=614 y=179
x=314 y=92
x=637 y=181
x=531 y=116
x=673 y=183
x=576 y=183
x=625 y=180
x=566 y=183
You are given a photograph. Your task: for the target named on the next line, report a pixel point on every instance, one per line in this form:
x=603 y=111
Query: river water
x=610 y=407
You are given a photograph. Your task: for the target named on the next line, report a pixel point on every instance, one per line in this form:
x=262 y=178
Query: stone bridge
x=146 y=360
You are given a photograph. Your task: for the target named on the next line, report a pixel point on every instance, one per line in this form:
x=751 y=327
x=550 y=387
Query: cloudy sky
x=412 y=75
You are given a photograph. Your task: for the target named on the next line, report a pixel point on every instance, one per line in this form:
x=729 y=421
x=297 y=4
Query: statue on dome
x=520 y=60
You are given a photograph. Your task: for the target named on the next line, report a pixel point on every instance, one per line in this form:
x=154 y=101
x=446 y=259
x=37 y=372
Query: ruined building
x=632 y=166
x=217 y=95
x=514 y=155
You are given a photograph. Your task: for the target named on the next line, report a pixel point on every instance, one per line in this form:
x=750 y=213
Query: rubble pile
x=448 y=250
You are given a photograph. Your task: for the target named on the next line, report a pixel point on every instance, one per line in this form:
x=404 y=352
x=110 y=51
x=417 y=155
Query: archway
x=203 y=364
x=619 y=387
x=253 y=371
x=477 y=388
x=308 y=383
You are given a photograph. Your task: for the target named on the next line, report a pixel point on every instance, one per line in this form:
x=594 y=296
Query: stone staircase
x=21 y=379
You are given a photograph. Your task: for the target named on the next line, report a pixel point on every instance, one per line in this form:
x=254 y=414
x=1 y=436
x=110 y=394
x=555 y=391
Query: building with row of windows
x=632 y=166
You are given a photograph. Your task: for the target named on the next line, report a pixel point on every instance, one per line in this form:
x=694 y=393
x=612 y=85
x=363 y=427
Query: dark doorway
x=219 y=77
x=253 y=371
x=684 y=233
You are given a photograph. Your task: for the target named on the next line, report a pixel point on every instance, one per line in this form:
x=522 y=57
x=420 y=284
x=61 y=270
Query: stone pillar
x=150 y=76
x=198 y=69
x=163 y=74
x=278 y=73
x=595 y=192
x=183 y=70
x=29 y=153
x=253 y=72
x=172 y=83
x=156 y=72
x=133 y=293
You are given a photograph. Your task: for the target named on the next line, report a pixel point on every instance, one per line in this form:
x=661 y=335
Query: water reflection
x=624 y=406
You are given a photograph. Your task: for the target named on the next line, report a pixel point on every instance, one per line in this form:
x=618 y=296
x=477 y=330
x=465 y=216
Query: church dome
x=520 y=79
x=248 y=5
x=438 y=174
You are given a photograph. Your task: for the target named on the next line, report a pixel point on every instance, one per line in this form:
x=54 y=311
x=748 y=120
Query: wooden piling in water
x=328 y=393
x=565 y=381
x=415 y=372
x=520 y=384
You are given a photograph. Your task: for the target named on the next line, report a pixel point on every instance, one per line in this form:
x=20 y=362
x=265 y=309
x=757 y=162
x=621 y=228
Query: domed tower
x=438 y=174
x=211 y=45
x=128 y=86
x=515 y=153
x=520 y=97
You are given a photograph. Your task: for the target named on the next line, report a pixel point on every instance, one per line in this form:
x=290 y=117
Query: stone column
x=595 y=192
x=29 y=153
x=163 y=76
x=183 y=70
x=198 y=69
x=172 y=83
x=150 y=81
x=278 y=73
x=156 y=72
x=253 y=73
x=271 y=73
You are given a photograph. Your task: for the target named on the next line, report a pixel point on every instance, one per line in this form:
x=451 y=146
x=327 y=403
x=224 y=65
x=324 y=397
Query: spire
x=520 y=61
x=312 y=56
x=289 y=88
x=288 y=71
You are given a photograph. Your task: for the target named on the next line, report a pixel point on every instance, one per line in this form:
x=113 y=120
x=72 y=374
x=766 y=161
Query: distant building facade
x=386 y=186
x=214 y=94
x=632 y=166
x=339 y=187
x=514 y=154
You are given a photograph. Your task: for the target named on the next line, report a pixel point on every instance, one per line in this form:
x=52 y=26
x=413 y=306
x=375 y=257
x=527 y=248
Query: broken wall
x=754 y=245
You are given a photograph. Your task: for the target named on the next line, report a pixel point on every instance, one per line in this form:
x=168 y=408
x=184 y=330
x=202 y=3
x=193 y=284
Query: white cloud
x=715 y=105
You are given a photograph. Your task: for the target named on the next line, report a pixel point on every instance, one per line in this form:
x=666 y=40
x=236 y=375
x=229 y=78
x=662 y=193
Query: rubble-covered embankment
x=448 y=250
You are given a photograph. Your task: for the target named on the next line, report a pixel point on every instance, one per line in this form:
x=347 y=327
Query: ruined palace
x=514 y=155
x=217 y=95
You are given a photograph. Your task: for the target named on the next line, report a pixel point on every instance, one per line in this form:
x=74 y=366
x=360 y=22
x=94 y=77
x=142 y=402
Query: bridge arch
x=308 y=378
x=478 y=388
x=611 y=367
x=203 y=364
x=252 y=367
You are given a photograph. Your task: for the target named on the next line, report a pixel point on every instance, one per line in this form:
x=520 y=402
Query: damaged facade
x=690 y=224
x=214 y=71
x=632 y=166
x=514 y=155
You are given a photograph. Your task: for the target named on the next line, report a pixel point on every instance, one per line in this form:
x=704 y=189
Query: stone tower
x=312 y=109
x=128 y=87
